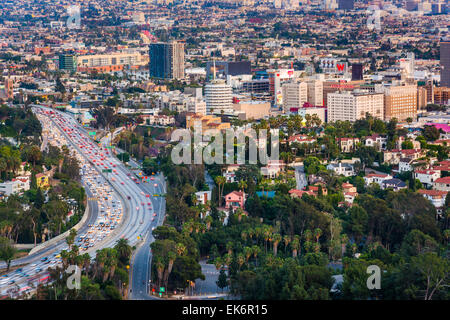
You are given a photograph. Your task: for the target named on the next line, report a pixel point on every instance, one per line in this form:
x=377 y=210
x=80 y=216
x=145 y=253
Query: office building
x=111 y=62
x=400 y=101
x=218 y=96
x=167 y=60
x=315 y=92
x=445 y=64
x=227 y=68
x=357 y=71
x=442 y=95
x=68 y=62
x=276 y=79
x=295 y=94
x=345 y=4
x=354 y=105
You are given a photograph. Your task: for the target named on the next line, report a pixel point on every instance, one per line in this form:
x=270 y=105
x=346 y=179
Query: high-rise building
x=421 y=99
x=9 y=86
x=218 y=96
x=445 y=64
x=346 y=4
x=295 y=94
x=315 y=92
x=68 y=62
x=357 y=71
x=354 y=105
x=226 y=68
x=167 y=60
x=276 y=79
x=400 y=101
x=442 y=95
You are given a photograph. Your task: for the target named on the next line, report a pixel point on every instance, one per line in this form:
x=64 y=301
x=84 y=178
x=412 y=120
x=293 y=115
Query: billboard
x=333 y=65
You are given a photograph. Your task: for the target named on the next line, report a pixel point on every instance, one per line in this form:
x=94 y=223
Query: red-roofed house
x=442 y=184
x=394 y=156
x=295 y=193
x=301 y=138
x=377 y=141
x=427 y=177
x=436 y=197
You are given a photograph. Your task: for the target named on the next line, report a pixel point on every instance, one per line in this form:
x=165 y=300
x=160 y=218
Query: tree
x=435 y=272
x=7 y=251
x=431 y=133
x=276 y=240
x=222 y=281
x=220 y=181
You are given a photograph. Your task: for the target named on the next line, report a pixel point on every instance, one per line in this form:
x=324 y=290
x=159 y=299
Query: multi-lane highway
x=119 y=205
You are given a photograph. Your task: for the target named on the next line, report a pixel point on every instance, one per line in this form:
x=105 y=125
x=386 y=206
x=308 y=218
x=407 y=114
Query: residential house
x=294 y=193
x=235 y=200
x=42 y=181
x=442 y=184
x=348 y=187
x=345 y=169
x=203 y=197
x=376 y=178
x=394 y=156
x=15 y=186
x=272 y=169
x=437 y=197
x=405 y=164
x=427 y=177
x=394 y=183
x=230 y=173
x=301 y=138
x=377 y=141
x=347 y=144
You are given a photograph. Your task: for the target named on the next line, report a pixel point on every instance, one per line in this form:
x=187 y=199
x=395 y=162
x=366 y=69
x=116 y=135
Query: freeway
x=118 y=206
x=141 y=260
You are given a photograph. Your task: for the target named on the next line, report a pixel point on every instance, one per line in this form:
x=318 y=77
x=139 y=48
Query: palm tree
x=208 y=221
x=240 y=260
x=344 y=240
x=180 y=248
x=286 y=240
x=160 y=269
x=123 y=249
x=218 y=263
x=242 y=185
x=71 y=238
x=295 y=244
x=308 y=235
x=276 y=240
x=247 y=253
x=227 y=258
x=317 y=234
x=244 y=235
x=251 y=233
x=256 y=251
x=220 y=181
x=171 y=256
x=229 y=247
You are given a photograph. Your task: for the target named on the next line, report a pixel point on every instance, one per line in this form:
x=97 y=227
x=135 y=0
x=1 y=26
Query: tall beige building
x=315 y=92
x=354 y=105
x=295 y=94
x=400 y=102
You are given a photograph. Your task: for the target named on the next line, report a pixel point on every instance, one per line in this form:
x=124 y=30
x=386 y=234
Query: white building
x=427 y=177
x=344 y=169
x=203 y=197
x=354 y=105
x=218 y=96
x=16 y=185
x=376 y=178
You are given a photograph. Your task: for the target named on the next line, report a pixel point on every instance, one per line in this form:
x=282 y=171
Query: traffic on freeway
x=118 y=206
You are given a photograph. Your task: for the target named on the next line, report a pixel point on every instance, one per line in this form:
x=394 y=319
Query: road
x=300 y=177
x=118 y=206
x=141 y=260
